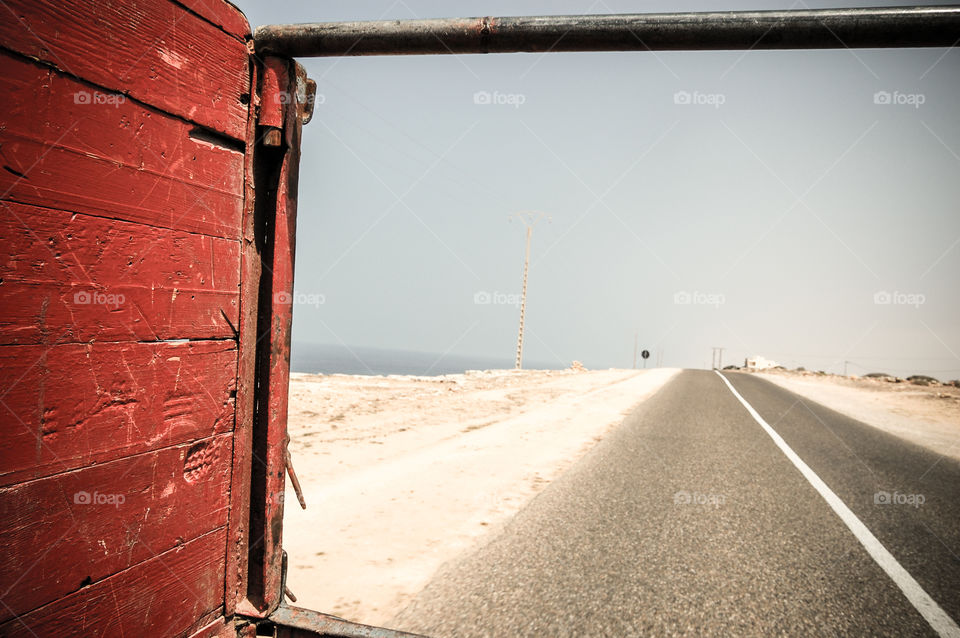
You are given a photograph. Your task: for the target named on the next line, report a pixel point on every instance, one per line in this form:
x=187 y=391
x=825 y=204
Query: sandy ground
x=402 y=474
x=926 y=415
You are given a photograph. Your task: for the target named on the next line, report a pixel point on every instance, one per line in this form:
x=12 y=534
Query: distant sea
x=331 y=359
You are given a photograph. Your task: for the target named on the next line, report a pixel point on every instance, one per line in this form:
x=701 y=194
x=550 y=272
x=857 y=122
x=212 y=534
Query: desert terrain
x=402 y=474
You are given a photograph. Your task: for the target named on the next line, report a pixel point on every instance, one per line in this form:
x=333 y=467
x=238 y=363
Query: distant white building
x=759 y=363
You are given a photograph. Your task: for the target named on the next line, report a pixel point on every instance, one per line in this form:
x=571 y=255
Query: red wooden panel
x=218 y=628
x=79 y=278
x=157 y=52
x=172 y=594
x=107 y=518
x=71 y=405
x=251 y=267
x=275 y=329
x=222 y=14
x=274 y=95
x=118 y=159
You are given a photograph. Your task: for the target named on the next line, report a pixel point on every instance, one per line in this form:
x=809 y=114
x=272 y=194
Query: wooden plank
x=71 y=147
x=219 y=627
x=223 y=14
x=67 y=406
x=157 y=52
x=83 y=278
x=172 y=594
x=107 y=518
x=238 y=543
x=269 y=472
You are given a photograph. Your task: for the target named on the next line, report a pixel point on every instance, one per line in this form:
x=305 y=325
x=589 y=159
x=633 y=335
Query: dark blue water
x=330 y=359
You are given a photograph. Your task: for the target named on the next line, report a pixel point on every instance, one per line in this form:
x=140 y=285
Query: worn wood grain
x=107 y=518
x=251 y=270
x=275 y=328
x=82 y=278
x=157 y=52
x=67 y=406
x=223 y=14
x=219 y=627
x=75 y=148
x=173 y=593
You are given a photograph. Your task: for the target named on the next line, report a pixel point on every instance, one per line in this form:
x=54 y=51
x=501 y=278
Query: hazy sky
x=760 y=201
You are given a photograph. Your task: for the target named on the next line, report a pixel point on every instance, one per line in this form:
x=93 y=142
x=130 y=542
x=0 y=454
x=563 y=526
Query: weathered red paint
x=159 y=53
x=273 y=368
x=80 y=277
x=123 y=164
x=150 y=502
x=223 y=14
x=273 y=95
x=147 y=239
x=72 y=405
x=121 y=160
x=173 y=593
x=250 y=268
x=220 y=627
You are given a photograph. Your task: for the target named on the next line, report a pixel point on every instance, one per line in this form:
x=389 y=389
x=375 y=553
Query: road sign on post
x=645 y=355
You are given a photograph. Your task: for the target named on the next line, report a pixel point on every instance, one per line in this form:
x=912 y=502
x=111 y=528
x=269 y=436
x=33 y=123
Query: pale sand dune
x=402 y=474
x=925 y=415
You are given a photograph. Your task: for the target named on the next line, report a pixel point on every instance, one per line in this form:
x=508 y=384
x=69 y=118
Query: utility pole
x=529 y=220
x=716 y=358
x=636 y=336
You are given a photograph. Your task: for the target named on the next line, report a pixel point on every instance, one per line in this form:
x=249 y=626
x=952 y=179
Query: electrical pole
x=529 y=220
x=636 y=336
x=716 y=358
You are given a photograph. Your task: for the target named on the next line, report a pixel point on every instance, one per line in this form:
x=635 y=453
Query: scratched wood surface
x=173 y=593
x=123 y=147
x=157 y=52
x=76 y=148
x=238 y=539
x=107 y=517
x=77 y=278
x=222 y=14
x=76 y=404
x=270 y=439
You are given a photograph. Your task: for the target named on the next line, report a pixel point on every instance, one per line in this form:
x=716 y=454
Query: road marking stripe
x=938 y=619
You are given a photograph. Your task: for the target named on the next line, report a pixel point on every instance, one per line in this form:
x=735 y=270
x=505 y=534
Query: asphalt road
x=689 y=520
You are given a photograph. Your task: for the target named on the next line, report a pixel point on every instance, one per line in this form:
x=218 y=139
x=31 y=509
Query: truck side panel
x=124 y=192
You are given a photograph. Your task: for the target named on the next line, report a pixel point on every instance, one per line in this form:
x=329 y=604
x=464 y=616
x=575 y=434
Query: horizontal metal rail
x=729 y=30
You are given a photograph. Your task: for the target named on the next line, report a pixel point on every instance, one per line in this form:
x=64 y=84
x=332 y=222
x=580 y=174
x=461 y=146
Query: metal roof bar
x=729 y=30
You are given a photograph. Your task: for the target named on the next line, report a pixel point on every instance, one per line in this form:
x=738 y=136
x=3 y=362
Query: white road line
x=941 y=623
